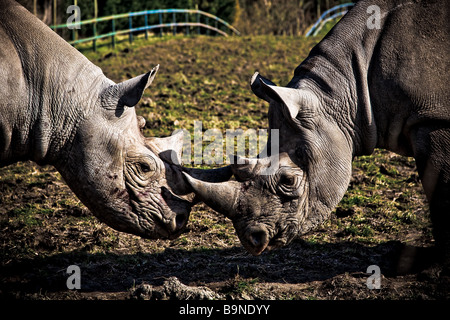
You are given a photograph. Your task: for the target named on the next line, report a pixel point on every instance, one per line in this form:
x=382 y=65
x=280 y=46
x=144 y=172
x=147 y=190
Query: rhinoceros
x=360 y=88
x=58 y=108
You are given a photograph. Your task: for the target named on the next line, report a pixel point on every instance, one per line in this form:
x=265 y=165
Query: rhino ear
x=257 y=87
x=269 y=91
x=294 y=102
x=289 y=97
x=168 y=148
x=129 y=92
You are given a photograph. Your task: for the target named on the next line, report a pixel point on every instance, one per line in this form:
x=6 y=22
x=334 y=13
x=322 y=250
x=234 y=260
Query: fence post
x=146 y=25
x=75 y=30
x=174 y=24
x=198 y=21
x=187 y=26
x=95 y=24
x=130 y=24
x=94 y=42
x=113 y=37
x=160 y=23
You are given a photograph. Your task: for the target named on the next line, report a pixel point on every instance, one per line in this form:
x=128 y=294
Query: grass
x=383 y=188
x=240 y=287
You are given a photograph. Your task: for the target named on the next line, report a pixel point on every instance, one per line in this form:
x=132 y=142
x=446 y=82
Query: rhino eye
x=287 y=180
x=145 y=167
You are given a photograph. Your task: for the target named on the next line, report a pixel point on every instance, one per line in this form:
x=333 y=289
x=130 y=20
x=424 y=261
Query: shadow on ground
x=222 y=270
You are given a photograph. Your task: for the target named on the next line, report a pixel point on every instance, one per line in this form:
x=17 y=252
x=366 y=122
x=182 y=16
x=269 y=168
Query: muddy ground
x=383 y=219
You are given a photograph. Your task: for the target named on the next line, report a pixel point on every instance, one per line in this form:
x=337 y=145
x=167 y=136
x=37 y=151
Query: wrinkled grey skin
x=58 y=108
x=358 y=89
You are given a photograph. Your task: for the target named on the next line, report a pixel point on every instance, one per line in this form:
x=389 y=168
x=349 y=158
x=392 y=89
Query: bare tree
x=43 y=9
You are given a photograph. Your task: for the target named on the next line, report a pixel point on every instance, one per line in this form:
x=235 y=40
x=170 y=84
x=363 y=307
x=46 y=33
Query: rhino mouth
x=160 y=215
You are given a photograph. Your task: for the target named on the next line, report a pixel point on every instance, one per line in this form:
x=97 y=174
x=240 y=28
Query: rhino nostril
x=180 y=221
x=258 y=238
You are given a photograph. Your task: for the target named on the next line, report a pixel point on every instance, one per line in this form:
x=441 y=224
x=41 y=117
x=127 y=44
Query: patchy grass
x=45 y=228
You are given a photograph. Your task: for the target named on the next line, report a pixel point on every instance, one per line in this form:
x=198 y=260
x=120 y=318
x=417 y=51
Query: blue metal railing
x=323 y=19
x=146 y=27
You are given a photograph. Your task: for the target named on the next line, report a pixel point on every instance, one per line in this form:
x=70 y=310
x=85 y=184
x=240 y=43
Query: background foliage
x=251 y=17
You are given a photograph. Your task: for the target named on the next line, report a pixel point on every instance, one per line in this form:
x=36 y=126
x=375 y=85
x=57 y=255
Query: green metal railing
x=337 y=11
x=187 y=23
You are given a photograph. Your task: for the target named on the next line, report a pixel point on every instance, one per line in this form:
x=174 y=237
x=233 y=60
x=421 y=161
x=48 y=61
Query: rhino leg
x=433 y=163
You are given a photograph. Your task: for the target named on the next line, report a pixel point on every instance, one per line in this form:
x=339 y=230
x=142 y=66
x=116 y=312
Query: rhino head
x=132 y=183
x=308 y=175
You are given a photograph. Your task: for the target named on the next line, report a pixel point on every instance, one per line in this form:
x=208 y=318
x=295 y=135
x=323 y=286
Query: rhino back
x=45 y=86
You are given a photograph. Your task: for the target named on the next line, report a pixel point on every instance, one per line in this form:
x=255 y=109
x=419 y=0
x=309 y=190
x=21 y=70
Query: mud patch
x=173 y=289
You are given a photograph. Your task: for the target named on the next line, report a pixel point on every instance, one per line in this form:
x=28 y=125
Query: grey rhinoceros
x=58 y=108
x=360 y=88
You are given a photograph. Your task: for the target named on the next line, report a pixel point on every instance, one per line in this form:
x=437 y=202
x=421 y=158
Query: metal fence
x=210 y=23
x=334 y=13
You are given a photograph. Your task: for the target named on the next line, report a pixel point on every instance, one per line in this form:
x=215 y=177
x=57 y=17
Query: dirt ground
x=38 y=247
x=383 y=219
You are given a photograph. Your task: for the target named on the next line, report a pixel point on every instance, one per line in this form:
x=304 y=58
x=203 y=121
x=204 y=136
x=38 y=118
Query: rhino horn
x=129 y=92
x=222 y=196
x=244 y=168
x=168 y=148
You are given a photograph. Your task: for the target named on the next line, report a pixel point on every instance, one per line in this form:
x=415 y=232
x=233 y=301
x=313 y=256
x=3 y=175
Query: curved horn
x=222 y=196
x=244 y=161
